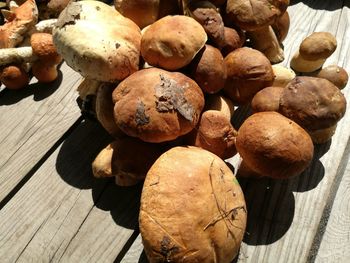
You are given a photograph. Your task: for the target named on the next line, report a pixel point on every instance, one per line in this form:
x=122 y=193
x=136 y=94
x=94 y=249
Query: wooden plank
x=32 y=120
x=284 y=216
x=63 y=214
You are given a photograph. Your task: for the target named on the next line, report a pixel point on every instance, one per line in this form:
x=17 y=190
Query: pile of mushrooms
x=164 y=77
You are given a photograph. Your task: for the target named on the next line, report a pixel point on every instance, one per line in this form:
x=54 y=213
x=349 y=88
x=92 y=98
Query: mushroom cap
x=142 y=12
x=248 y=71
x=252 y=14
x=97 y=41
x=186 y=190
x=43 y=47
x=233 y=39
x=281 y=26
x=313 y=103
x=172 y=42
x=220 y=103
x=273 y=145
x=318 y=45
x=156 y=105
x=335 y=74
x=267 y=99
x=208 y=69
x=14 y=77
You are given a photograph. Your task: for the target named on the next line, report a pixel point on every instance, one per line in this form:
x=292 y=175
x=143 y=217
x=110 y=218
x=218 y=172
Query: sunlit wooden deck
x=52 y=209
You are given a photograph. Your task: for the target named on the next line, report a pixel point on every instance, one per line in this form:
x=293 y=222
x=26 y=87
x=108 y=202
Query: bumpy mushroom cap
x=208 y=69
x=97 y=41
x=267 y=99
x=142 y=12
x=335 y=74
x=313 y=103
x=216 y=134
x=248 y=71
x=192 y=209
x=172 y=42
x=318 y=45
x=251 y=14
x=233 y=39
x=274 y=146
x=14 y=77
x=156 y=105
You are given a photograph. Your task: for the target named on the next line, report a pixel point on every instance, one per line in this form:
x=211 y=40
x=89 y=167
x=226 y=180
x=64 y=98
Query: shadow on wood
x=39 y=91
x=329 y=5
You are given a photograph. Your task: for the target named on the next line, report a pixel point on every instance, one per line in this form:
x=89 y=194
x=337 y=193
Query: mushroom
x=208 y=16
x=274 y=146
x=256 y=17
x=114 y=41
x=19 y=22
x=233 y=39
x=51 y=8
x=315 y=104
x=14 y=77
x=283 y=75
x=156 y=105
x=214 y=133
x=335 y=74
x=208 y=69
x=248 y=71
x=267 y=99
x=172 y=42
x=220 y=103
x=281 y=26
x=313 y=52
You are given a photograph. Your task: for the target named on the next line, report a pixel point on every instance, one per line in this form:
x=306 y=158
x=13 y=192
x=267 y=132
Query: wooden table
x=52 y=209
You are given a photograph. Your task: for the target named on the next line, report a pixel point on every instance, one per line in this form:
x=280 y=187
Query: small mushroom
x=335 y=74
x=233 y=39
x=313 y=52
x=256 y=17
x=274 y=146
x=281 y=26
x=248 y=71
x=315 y=104
x=283 y=75
x=208 y=69
x=267 y=99
x=172 y=42
x=14 y=77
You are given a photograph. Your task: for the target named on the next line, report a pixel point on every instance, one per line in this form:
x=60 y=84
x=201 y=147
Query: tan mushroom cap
x=172 y=42
x=156 y=105
x=43 y=47
x=233 y=39
x=335 y=74
x=313 y=103
x=274 y=146
x=253 y=14
x=318 y=45
x=97 y=41
x=248 y=71
x=14 y=77
x=267 y=99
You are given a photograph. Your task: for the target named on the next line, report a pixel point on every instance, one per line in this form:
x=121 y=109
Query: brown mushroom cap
x=233 y=39
x=248 y=71
x=281 y=26
x=252 y=14
x=274 y=146
x=267 y=99
x=319 y=45
x=335 y=74
x=14 y=77
x=208 y=69
x=220 y=103
x=172 y=42
x=313 y=103
x=184 y=196
x=156 y=105
x=216 y=134
x=43 y=47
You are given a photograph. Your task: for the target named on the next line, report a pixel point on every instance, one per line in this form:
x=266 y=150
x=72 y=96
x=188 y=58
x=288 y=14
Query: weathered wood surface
x=32 y=121
x=62 y=214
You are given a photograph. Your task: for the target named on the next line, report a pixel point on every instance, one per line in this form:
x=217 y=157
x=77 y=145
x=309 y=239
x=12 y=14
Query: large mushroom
x=256 y=17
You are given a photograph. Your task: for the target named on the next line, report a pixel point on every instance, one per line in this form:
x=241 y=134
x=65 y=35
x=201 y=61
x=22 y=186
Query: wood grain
x=32 y=121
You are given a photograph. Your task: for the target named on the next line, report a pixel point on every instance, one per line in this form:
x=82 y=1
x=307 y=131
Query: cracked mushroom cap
x=97 y=41
x=20 y=21
x=253 y=14
x=185 y=194
x=156 y=105
x=172 y=42
x=274 y=146
x=319 y=45
x=313 y=103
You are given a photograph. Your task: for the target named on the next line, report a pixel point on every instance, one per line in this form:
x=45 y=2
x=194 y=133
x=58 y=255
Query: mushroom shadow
x=270 y=205
x=329 y=5
x=240 y=114
x=39 y=91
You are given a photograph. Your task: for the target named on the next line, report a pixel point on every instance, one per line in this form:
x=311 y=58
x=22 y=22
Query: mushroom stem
x=44 y=26
x=265 y=40
x=16 y=55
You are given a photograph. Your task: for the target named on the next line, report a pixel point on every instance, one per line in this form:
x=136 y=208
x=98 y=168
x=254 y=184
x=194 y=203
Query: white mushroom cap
x=97 y=41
